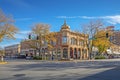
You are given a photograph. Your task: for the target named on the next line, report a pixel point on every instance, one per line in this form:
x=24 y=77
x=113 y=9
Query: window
x=75 y=41
x=64 y=39
x=72 y=41
x=82 y=43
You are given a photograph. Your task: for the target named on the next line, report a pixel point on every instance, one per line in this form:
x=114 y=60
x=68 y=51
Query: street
x=57 y=70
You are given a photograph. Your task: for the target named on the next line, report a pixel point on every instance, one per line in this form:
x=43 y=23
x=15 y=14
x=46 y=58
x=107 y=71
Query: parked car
x=29 y=57
x=21 y=57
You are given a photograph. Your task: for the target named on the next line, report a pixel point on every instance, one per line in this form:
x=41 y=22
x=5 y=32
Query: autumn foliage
x=7 y=29
x=101 y=41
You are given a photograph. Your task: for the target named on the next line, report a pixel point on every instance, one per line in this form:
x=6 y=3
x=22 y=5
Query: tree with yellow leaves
x=7 y=29
x=44 y=38
x=101 y=40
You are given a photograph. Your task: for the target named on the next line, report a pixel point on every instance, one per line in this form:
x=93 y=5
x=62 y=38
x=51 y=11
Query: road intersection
x=57 y=70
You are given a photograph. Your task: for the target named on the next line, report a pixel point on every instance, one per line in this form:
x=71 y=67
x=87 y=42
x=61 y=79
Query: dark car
x=21 y=57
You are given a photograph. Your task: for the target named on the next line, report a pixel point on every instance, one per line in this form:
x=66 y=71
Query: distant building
x=26 y=47
x=115 y=39
x=12 y=50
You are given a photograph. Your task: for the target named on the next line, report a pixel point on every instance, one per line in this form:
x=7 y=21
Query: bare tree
x=91 y=29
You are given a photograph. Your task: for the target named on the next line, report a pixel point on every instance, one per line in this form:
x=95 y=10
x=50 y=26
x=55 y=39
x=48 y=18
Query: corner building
x=72 y=45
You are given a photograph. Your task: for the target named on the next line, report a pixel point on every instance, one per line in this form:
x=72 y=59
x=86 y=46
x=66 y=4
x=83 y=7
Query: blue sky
x=54 y=12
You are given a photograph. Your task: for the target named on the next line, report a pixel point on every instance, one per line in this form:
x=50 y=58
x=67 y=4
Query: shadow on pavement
x=112 y=74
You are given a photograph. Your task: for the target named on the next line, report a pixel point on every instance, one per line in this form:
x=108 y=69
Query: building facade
x=12 y=50
x=72 y=45
x=26 y=47
x=115 y=39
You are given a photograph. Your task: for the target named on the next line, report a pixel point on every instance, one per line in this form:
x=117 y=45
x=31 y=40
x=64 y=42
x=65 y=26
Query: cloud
x=66 y=17
x=8 y=43
x=110 y=19
x=86 y=17
x=23 y=19
x=22 y=34
x=115 y=19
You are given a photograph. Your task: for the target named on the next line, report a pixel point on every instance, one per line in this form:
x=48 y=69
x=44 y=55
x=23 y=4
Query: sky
x=26 y=13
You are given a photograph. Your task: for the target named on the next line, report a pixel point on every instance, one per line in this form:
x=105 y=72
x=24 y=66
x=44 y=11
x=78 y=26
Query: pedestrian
x=52 y=57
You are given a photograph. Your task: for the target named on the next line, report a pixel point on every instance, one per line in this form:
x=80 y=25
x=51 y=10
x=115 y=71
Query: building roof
x=65 y=26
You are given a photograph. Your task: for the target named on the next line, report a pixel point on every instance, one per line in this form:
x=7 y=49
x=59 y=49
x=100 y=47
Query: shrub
x=64 y=59
x=100 y=57
x=37 y=58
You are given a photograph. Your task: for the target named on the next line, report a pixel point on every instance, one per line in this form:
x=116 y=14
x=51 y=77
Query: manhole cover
x=19 y=75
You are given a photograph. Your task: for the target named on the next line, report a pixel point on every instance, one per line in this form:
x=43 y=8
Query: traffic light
x=107 y=35
x=37 y=37
x=29 y=36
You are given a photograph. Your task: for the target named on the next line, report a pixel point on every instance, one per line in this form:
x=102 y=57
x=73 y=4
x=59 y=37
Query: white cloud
x=24 y=32
x=22 y=35
x=8 y=43
x=23 y=19
x=66 y=17
x=86 y=17
x=110 y=19
x=115 y=19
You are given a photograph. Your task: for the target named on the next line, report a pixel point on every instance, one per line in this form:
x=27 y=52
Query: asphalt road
x=56 y=70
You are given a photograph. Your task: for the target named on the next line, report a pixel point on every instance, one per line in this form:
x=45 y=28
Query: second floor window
x=64 y=39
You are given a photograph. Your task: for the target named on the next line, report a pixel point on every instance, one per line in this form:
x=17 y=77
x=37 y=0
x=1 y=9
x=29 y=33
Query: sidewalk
x=98 y=60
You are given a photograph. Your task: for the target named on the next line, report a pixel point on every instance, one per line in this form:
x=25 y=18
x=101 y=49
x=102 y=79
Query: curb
x=3 y=62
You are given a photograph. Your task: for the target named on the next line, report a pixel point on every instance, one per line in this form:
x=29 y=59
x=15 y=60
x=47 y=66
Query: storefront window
x=65 y=53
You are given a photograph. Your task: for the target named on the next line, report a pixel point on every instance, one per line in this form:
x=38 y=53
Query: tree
x=44 y=38
x=91 y=28
x=51 y=42
x=2 y=52
x=40 y=30
x=101 y=41
x=7 y=28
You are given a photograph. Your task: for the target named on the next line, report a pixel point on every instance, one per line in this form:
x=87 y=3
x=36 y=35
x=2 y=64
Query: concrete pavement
x=56 y=70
